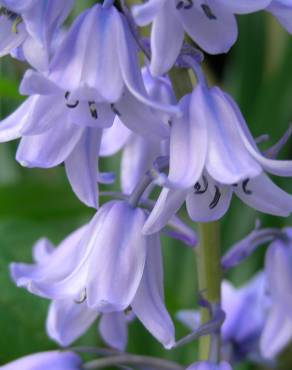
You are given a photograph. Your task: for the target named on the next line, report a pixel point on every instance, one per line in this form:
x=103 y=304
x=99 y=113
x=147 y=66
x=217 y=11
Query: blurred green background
x=36 y=203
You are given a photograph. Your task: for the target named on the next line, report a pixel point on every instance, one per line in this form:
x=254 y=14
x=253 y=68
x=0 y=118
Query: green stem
x=209 y=279
x=181 y=82
x=135 y=360
x=207 y=253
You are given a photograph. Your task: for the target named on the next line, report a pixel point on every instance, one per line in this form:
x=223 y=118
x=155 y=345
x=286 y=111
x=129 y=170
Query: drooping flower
x=98 y=60
x=277 y=332
x=211 y=24
x=49 y=138
x=245 y=310
x=56 y=360
x=68 y=319
x=32 y=25
x=208 y=365
x=56 y=128
x=212 y=156
x=112 y=263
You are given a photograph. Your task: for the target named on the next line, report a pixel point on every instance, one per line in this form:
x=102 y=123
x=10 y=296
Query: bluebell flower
x=55 y=128
x=32 y=25
x=53 y=360
x=98 y=60
x=277 y=332
x=245 y=308
x=68 y=319
x=211 y=24
x=212 y=156
x=110 y=262
x=49 y=138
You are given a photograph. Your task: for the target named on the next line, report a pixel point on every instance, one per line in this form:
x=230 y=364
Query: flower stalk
x=209 y=283
x=208 y=255
x=128 y=359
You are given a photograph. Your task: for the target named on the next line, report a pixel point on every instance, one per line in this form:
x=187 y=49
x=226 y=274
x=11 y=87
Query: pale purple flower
x=68 y=319
x=98 y=60
x=110 y=262
x=208 y=365
x=57 y=125
x=282 y=10
x=277 y=332
x=57 y=128
x=49 y=137
x=32 y=26
x=245 y=308
x=54 y=360
x=211 y=24
x=212 y=156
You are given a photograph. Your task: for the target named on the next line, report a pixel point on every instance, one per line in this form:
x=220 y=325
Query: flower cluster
x=88 y=96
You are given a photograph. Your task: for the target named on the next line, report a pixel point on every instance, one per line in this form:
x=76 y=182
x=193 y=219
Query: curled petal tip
x=148 y=229
x=169 y=344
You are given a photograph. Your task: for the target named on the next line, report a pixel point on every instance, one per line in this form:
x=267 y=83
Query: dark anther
x=70 y=105
x=244 y=185
x=199 y=189
x=13 y=17
x=208 y=12
x=8 y=13
x=93 y=110
x=114 y=109
x=216 y=198
x=184 y=4
x=82 y=297
x=128 y=310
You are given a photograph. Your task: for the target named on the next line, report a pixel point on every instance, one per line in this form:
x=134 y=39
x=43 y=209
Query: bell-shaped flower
x=282 y=10
x=110 y=262
x=68 y=319
x=277 y=332
x=245 y=309
x=212 y=156
x=48 y=101
x=49 y=137
x=32 y=25
x=208 y=365
x=211 y=24
x=98 y=59
x=54 y=129
x=56 y=360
